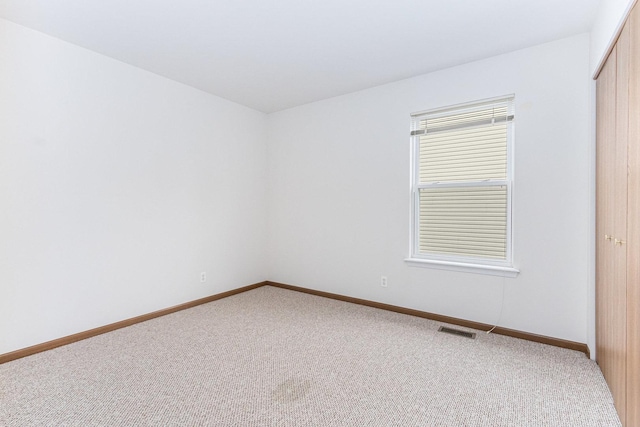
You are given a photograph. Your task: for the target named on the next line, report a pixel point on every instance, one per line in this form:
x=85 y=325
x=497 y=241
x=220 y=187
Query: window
x=462 y=187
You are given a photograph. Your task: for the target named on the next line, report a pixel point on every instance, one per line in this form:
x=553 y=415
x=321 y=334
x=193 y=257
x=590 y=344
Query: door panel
x=610 y=322
x=633 y=226
x=619 y=205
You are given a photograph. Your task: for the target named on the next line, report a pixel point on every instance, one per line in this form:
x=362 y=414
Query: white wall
x=117 y=188
x=339 y=193
x=609 y=19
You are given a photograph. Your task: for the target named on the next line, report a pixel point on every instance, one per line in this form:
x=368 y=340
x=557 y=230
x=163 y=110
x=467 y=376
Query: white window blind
x=462 y=183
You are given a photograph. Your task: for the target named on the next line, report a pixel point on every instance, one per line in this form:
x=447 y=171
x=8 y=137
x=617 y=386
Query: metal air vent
x=458 y=332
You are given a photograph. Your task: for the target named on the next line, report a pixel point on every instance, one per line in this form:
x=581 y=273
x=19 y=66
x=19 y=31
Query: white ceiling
x=276 y=54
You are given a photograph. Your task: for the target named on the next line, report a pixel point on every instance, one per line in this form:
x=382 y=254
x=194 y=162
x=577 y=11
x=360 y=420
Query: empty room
x=320 y=213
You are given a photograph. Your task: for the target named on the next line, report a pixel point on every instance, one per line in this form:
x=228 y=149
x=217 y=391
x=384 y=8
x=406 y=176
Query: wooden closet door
x=633 y=226
x=605 y=135
x=610 y=292
x=620 y=240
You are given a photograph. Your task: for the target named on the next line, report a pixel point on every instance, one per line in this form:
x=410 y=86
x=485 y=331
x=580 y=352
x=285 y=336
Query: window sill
x=492 y=270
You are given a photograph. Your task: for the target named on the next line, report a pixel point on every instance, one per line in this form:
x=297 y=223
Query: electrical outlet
x=203 y=277
x=383 y=281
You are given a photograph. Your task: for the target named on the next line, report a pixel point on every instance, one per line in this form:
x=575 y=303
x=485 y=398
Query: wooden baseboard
x=7 y=357
x=571 y=345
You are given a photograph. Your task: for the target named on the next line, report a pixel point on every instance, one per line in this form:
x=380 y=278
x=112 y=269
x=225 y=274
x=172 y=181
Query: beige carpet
x=272 y=357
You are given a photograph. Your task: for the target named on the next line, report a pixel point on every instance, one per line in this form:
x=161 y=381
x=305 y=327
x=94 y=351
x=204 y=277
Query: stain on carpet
x=291 y=390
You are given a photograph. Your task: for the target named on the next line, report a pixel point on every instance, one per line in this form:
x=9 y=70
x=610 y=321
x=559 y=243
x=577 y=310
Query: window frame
x=472 y=264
